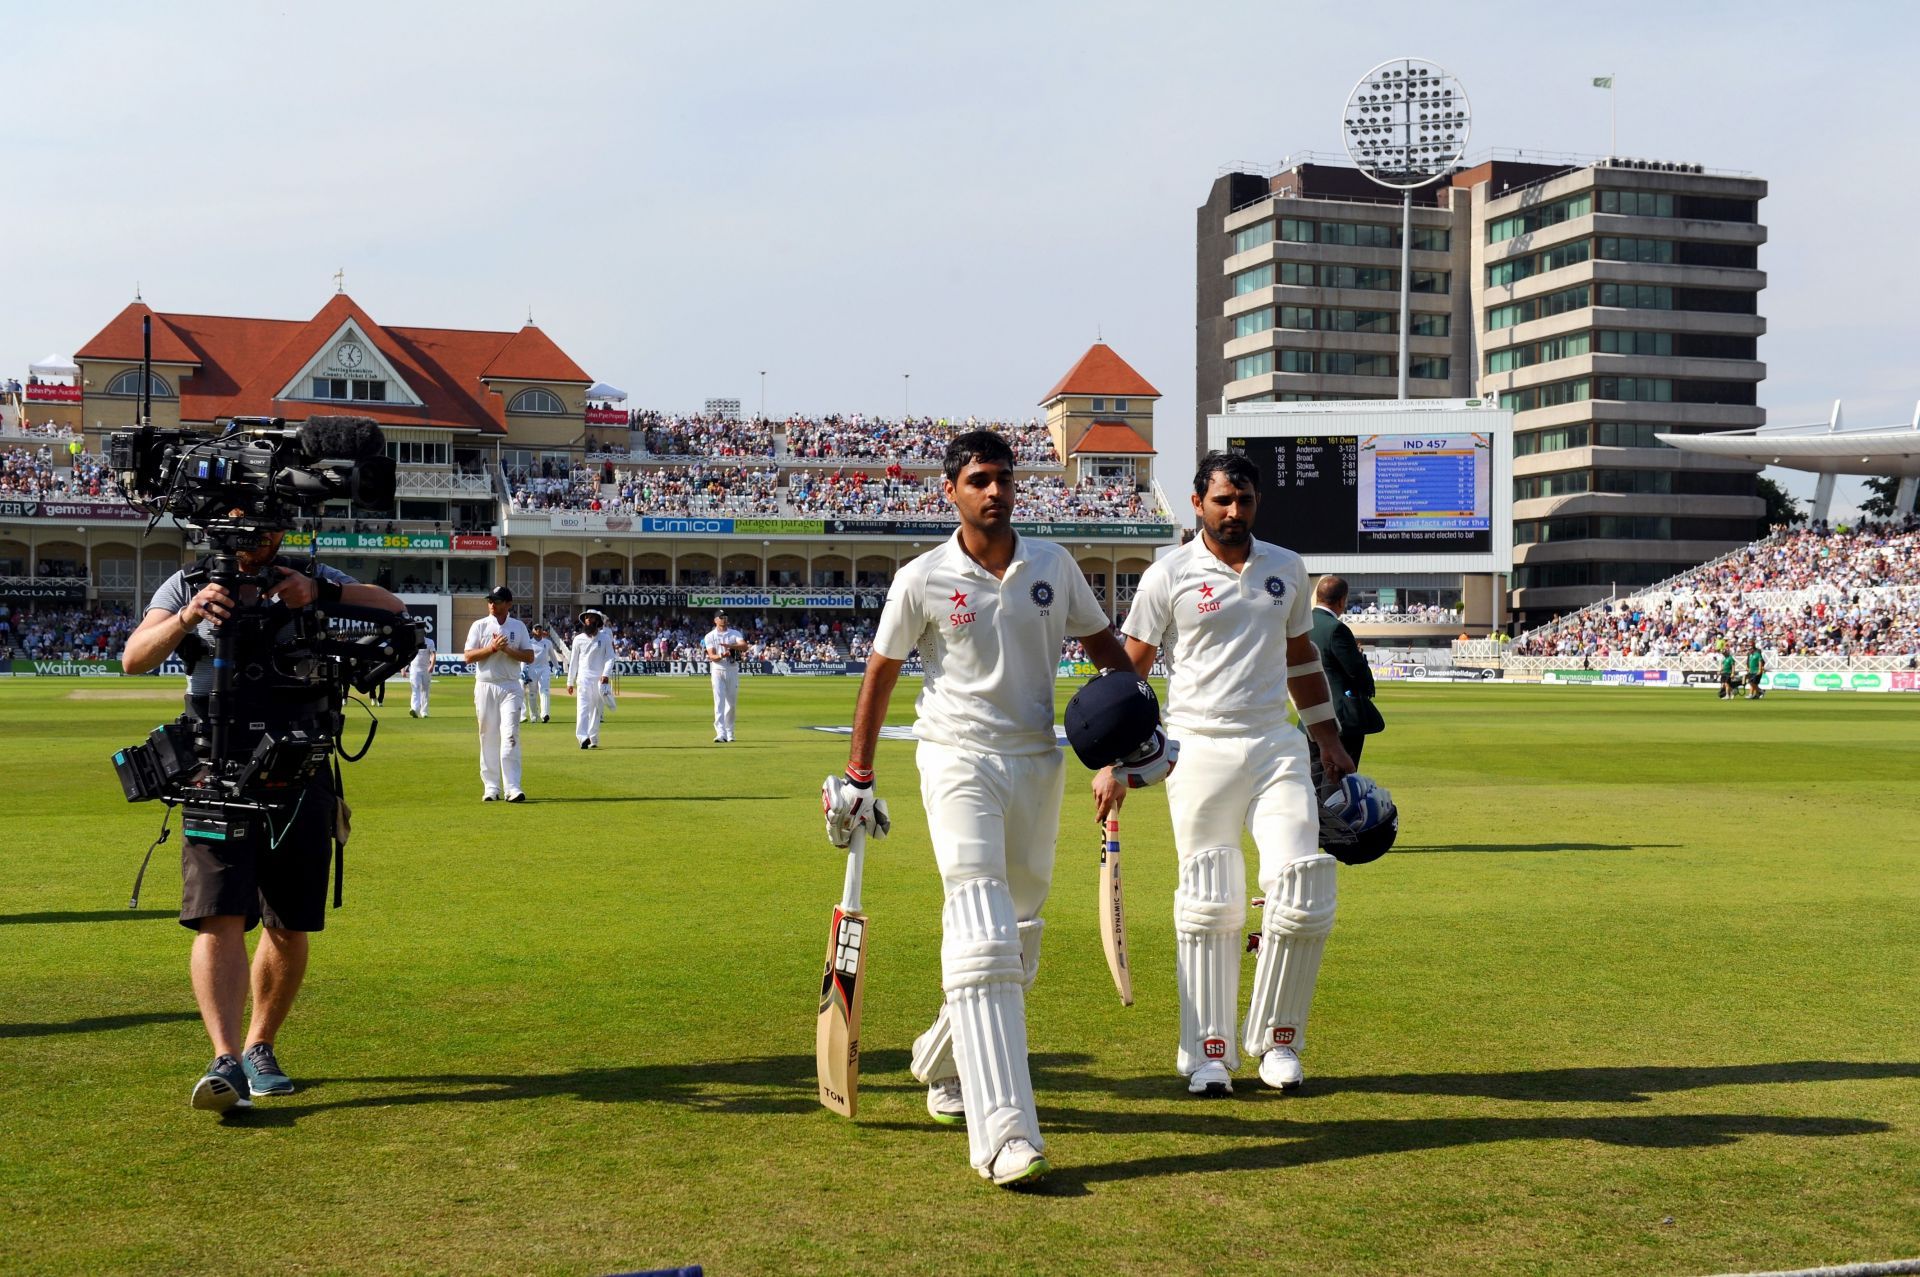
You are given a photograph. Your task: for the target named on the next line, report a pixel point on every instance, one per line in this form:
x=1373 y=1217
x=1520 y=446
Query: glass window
x=1432 y=367
x=1298 y=273
x=1636 y=296
x=537 y=401
x=1296 y=317
x=1249 y=280
x=1253 y=365
x=1099 y=405
x=1296 y=230
x=1432 y=239
x=1254 y=321
x=1429 y=281
x=1561 y=210
x=1253 y=237
x=1119 y=405
x=1296 y=361
x=128 y=383
x=1431 y=325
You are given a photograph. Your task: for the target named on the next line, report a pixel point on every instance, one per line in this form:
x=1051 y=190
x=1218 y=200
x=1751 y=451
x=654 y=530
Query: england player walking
x=539 y=706
x=987 y=609
x=420 y=679
x=589 y=667
x=497 y=646
x=1233 y=611
x=723 y=645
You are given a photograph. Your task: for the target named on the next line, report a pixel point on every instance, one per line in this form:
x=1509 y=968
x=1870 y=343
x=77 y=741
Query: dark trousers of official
x=1353 y=742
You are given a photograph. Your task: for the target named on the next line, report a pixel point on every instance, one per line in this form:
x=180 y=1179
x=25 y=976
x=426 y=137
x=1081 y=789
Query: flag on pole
x=1603 y=82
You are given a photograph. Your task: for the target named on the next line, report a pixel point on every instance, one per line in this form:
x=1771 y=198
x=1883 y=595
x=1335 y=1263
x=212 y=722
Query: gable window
x=543 y=402
x=128 y=383
x=343 y=388
x=1099 y=405
x=1119 y=405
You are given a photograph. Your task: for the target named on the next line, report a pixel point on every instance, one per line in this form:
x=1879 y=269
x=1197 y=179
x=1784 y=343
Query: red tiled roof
x=121 y=339
x=1109 y=438
x=246 y=362
x=1101 y=372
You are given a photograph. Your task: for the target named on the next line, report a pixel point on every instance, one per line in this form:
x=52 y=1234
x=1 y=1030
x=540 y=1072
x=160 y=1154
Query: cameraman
x=227 y=887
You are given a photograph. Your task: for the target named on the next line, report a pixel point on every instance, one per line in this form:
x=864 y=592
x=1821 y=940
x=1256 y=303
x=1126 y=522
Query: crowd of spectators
x=56 y=474
x=697 y=489
x=66 y=634
x=924 y=439
x=26 y=472
x=1806 y=591
x=1411 y=614
x=1049 y=498
x=672 y=435
x=45 y=430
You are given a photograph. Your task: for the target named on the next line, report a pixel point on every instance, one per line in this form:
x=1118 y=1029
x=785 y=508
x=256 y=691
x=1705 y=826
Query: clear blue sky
x=840 y=194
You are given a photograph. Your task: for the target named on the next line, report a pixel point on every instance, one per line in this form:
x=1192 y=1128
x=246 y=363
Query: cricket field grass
x=1638 y=992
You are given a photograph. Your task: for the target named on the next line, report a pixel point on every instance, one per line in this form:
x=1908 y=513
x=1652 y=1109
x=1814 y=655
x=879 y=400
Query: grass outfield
x=1637 y=993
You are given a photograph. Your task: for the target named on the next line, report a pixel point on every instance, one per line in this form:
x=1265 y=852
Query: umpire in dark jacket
x=1347 y=672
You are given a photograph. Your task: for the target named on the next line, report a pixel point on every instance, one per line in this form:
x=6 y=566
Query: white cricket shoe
x=944 y=1104
x=1211 y=1079
x=1017 y=1165
x=1280 y=1068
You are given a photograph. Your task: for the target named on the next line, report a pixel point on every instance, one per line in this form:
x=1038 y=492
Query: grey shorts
x=282 y=883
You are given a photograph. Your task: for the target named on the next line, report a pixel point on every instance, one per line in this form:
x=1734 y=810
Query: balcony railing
x=450 y=482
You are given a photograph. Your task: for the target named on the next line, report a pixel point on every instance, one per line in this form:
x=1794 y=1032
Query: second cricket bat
x=837 y=1036
x=1113 y=913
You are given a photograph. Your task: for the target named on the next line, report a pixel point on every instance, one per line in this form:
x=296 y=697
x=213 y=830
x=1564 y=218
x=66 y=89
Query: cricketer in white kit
x=589 y=667
x=497 y=646
x=1232 y=611
x=987 y=610
x=723 y=645
x=420 y=678
x=539 y=698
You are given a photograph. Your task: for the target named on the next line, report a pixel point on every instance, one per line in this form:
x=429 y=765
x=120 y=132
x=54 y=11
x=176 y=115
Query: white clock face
x=347 y=355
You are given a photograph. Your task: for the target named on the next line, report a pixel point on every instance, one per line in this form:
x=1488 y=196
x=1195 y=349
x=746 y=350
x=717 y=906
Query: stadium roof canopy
x=1818 y=449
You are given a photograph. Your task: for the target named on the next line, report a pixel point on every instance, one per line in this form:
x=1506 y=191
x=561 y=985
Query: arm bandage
x=1305 y=668
x=1312 y=714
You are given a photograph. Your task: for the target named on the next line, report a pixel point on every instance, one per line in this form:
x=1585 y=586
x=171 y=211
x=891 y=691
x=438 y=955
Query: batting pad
x=933 y=1050
x=981 y=967
x=1294 y=935
x=1209 y=908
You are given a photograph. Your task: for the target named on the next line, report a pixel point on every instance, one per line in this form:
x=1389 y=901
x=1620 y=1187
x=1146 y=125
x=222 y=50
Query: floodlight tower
x=1406 y=127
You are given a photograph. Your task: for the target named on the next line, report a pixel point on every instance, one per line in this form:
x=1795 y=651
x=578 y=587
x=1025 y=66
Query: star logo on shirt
x=1206 y=590
x=958 y=598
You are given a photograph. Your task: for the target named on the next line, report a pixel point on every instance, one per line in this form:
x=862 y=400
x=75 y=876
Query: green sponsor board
x=379 y=542
x=66 y=669
x=1866 y=682
x=1078 y=669
x=1124 y=531
x=1832 y=682
x=1574 y=676
x=1786 y=682
x=780 y=527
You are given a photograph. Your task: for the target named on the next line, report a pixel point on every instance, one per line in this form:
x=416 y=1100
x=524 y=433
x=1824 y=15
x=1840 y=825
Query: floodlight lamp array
x=1406 y=123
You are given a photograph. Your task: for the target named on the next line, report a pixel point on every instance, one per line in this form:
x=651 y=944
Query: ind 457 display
x=1374 y=493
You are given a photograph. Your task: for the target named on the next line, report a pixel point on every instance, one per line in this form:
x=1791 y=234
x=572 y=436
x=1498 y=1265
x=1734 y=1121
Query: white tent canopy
x=612 y=394
x=54 y=366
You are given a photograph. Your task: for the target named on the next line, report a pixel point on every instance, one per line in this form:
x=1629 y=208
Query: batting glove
x=849 y=804
x=1151 y=763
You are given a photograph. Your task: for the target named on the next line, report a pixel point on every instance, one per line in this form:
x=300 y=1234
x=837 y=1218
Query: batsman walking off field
x=1233 y=612
x=988 y=610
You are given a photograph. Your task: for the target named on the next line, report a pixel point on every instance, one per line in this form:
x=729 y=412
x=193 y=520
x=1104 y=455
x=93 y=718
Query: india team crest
x=1277 y=588
x=1042 y=593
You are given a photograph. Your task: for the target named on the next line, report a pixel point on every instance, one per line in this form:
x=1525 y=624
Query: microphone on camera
x=342 y=438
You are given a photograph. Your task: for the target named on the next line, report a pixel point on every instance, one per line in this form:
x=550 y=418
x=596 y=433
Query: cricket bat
x=1113 y=913
x=837 y=1035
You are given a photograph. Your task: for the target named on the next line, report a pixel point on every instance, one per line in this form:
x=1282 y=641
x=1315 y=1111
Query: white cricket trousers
x=539 y=695
x=420 y=684
x=726 y=697
x=589 y=707
x=1224 y=784
x=498 y=707
x=993 y=819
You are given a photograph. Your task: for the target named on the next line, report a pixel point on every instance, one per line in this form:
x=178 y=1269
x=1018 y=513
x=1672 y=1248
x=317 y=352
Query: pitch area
x=1636 y=993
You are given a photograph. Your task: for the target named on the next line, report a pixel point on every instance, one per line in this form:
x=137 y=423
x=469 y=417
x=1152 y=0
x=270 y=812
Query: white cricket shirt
x=543 y=654
x=719 y=643
x=1225 y=634
x=991 y=648
x=423 y=659
x=498 y=668
x=592 y=657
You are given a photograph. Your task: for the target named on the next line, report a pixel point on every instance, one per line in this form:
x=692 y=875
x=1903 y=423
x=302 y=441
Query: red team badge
x=1207 y=602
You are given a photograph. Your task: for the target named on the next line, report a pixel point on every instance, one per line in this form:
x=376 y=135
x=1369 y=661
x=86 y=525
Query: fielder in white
x=988 y=610
x=539 y=700
x=724 y=644
x=497 y=646
x=589 y=668
x=420 y=678
x=1232 y=611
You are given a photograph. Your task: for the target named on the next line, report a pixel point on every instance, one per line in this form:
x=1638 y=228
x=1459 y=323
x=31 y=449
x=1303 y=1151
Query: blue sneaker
x=264 y=1074
x=222 y=1087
